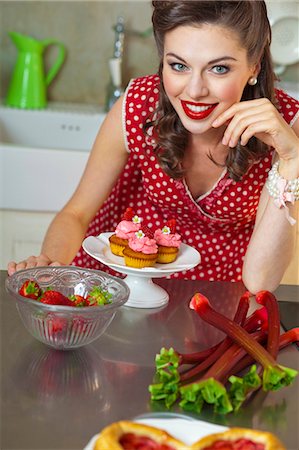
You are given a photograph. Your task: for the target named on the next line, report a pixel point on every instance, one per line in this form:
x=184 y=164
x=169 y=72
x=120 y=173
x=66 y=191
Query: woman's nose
x=197 y=87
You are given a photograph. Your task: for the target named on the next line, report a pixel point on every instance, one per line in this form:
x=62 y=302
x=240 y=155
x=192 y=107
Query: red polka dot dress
x=218 y=224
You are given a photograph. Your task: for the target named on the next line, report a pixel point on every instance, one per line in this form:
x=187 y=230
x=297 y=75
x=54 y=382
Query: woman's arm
x=66 y=233
x=272 y=243
x=271 y=246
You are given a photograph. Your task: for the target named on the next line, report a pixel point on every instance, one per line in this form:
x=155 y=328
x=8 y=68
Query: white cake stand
x=143 y=292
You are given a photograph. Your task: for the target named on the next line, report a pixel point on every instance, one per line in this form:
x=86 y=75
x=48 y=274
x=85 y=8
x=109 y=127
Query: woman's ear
x=254 y=74
x=256 y=69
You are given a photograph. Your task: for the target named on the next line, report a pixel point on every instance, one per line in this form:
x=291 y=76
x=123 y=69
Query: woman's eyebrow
x=213 y=61
x=176 y=56
x=224 y=58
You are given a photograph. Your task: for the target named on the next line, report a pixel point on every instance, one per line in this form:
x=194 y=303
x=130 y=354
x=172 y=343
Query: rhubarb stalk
x=275 y=376
x=285 y=339
x=167 y=362
x=268 y=300
x=242 y=388
x=166 y=386
x=210 y=388
x=222 y=362
x=256 y=320
x=239 y=318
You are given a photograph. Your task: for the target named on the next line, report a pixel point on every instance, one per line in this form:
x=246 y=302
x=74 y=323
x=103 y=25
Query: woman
x=196 y=143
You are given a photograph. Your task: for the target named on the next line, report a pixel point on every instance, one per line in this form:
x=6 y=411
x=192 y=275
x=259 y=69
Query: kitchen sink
x=43 y=154
x=60 y=126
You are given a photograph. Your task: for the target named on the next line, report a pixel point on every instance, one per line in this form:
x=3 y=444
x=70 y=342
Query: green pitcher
x=28 y=86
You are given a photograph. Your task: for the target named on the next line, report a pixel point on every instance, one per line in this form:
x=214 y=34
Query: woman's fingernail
x=224 y=141
x=215 y=123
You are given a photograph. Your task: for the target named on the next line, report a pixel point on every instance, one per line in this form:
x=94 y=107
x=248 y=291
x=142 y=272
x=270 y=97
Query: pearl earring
x=252 y=81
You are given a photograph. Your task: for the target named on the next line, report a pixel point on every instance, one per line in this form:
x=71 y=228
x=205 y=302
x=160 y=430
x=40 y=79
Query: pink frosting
x=143 y=244
x=167 y=240
x=126 y=229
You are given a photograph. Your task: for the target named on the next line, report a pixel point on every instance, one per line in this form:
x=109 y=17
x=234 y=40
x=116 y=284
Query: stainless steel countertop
x=59 y=400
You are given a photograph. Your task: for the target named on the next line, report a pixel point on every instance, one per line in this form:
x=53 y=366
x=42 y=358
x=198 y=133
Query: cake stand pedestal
x=144 y=293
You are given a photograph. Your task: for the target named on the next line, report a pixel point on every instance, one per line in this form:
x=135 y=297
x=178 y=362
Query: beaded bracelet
x=282 y=190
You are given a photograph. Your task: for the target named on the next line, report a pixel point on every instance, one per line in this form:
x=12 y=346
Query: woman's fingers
x=257 y=118
x=240 y=128
x=243 y=108
x=30 y=262
x=11 y=268
x=14 y=267
x=235 y=128
x=259 y=130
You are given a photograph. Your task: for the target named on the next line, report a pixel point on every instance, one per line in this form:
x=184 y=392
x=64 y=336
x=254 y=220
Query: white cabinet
x=42 y=157
x=21 y=234
x=38 y=179
x=36 y=183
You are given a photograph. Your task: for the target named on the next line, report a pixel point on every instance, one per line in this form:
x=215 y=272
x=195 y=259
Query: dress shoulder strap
x=140 y=102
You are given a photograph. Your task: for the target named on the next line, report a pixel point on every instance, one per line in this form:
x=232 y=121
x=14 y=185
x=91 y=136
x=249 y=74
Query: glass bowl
x=67 y=327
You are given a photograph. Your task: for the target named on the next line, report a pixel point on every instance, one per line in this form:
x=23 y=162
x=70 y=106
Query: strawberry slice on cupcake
x=127 y=227
x=168 y=242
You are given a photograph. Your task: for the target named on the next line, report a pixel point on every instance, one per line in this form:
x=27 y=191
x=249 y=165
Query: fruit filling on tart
x=239 y=444
x=130 y=441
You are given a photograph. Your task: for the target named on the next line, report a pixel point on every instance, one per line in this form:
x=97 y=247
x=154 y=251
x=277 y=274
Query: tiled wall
x=86 y=29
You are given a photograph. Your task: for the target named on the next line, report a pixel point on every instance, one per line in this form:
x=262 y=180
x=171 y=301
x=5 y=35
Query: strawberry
x=147 y=231
x=171 y=224
x=97 y=296
x=58 y=324
x=128 y=214
x=55 y=298
x=30 y=289
x=79 y=324
x=78 y=300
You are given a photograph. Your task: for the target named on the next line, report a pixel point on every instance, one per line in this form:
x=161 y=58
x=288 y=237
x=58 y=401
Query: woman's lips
x=198 y=111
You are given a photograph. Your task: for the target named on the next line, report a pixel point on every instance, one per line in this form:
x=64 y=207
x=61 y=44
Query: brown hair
x=249 y=20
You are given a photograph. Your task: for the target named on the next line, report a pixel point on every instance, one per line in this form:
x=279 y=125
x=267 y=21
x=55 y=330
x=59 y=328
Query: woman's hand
x=261 y=119
x=32 y=261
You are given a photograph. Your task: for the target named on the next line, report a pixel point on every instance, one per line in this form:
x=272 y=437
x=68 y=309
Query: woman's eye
x=220 y=69
x=178 y=67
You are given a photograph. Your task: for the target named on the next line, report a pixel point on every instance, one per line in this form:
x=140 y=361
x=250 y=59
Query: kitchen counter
x=59 y=400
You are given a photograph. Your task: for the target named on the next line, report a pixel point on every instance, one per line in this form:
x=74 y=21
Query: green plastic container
x=29 y=83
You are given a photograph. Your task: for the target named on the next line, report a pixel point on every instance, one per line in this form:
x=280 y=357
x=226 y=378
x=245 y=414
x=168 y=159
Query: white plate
x=185 y=430
x=285 y=41
x=98 y=248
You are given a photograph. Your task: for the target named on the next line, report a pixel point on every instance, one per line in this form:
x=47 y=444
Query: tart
x=126 y=435
x=239 y=439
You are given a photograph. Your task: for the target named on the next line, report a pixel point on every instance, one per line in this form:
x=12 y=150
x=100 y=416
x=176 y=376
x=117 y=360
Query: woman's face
x=205 y=71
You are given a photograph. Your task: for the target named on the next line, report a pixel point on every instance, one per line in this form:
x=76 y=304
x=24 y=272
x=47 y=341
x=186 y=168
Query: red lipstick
x=198 y=111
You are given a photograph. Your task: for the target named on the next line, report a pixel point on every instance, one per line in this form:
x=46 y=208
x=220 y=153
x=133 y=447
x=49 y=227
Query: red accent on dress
x=218 y=224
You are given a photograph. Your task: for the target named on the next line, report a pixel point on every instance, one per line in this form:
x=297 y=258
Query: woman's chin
x=198 y=127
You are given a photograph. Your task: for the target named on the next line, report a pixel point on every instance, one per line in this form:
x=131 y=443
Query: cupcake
x=141 y=251
x=126 y=228
x=168 y=243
